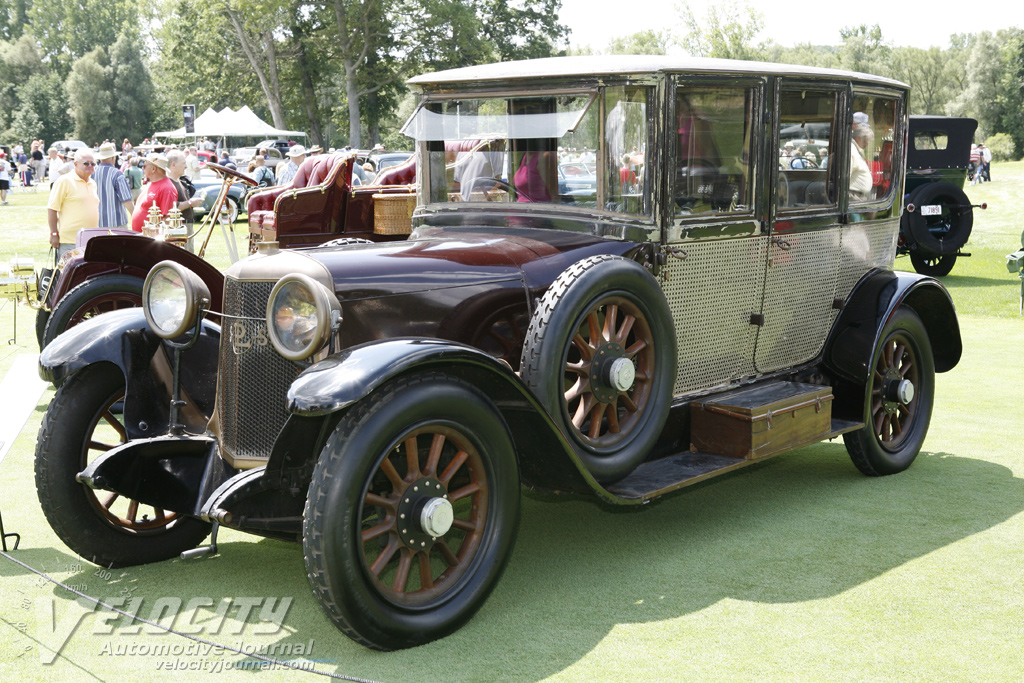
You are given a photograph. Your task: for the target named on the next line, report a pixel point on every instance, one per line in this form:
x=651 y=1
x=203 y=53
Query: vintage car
x=937 y=216
x=383 y=404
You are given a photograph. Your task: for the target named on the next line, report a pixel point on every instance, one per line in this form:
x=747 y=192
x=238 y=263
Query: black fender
x=546 y=459
x=123 y=338
x=857 y=330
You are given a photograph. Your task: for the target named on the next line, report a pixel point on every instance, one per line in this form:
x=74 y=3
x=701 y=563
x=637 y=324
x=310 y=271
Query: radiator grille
x=254 y=378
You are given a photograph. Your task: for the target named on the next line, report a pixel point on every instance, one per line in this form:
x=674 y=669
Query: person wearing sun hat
x=73 y=203
x=296 y=155
x=160 y=190
x=116 y=203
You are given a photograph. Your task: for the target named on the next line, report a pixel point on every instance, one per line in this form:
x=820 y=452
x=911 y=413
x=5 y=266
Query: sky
x=906 y=23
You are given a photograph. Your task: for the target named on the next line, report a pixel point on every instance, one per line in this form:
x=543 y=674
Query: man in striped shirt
x=116 y=203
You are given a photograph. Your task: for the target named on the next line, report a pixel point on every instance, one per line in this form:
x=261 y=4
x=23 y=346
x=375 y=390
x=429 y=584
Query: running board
x=658 y=477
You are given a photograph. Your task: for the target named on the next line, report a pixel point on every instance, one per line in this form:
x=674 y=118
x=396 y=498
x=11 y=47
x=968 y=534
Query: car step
x=735 y=429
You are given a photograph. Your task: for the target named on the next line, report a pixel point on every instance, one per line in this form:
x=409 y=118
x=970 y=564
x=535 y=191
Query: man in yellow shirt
x=74 y=203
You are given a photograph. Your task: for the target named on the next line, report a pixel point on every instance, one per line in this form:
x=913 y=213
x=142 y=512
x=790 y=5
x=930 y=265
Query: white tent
x=215 y=124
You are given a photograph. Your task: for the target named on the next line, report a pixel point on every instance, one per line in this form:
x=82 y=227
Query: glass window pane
x=874 y=119
x=806 y=121
x=713 y=129
x=625 y=132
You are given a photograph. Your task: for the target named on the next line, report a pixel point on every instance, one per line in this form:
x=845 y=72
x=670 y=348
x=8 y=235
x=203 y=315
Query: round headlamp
x=300 y=316
x=172 y=298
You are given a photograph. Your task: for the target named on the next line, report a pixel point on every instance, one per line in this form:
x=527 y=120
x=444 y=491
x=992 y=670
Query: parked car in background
x=382 y=404
x=937 y=217
x=282 y=146
x=209 y=183
x=67 y=147
x=243 y=155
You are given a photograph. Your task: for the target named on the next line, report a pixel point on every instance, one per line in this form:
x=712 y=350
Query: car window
x=536 y=149
x=807 y=119
x=874 y=121
x=712 y=131
x=625 y=148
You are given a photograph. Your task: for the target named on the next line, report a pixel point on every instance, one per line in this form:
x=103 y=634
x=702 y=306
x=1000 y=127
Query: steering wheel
x=226 y=172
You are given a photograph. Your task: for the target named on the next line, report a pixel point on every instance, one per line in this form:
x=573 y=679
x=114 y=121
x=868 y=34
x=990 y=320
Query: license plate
x=931 y=210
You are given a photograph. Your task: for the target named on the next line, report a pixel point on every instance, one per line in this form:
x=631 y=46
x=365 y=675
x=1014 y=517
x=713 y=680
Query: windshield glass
x=550 y=148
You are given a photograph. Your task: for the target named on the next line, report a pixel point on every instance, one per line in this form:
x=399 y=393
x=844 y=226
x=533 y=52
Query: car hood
x=441 y=258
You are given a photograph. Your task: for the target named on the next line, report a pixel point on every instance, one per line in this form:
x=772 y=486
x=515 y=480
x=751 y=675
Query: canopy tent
x=215 y=124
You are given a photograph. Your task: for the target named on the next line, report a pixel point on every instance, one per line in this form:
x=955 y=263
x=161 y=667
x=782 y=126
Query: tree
x=864 y=50
x=254 y=26
x=90 y=76
x=131 y=89
x=43 y=112
x=68 y=30
x=928 y=74
x=643 y=43
x=727 y=31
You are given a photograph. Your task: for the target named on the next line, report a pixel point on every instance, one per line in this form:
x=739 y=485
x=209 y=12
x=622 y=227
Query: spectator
x=225 y=160
x=986 y=162
x=260 y=172
x=5 y=177
x=116 y=205
x=860 y=173
x=38 y=161
x=160 y=191
x=73 y=203
x=975 y=164
x=133 y=173
x=24 y=170
x=296 y=155
x=192 y=164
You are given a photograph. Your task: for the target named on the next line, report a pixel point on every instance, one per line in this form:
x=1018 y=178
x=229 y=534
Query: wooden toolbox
x=761 y=420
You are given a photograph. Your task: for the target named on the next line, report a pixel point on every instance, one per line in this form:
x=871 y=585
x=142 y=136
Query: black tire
x=945 y=233
x=894 y=430
x=356 y=544
x=42 y=315
x=611 y=429
x=935 y=265
x=91 y=298
x=100 y=526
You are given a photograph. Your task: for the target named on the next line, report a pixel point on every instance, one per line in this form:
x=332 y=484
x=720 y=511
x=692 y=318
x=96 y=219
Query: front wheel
x=82 y=422
x=91 y=298
x=898 y=402
x=412 y=512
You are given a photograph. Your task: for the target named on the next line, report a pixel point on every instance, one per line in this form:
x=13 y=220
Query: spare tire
x=943 y=232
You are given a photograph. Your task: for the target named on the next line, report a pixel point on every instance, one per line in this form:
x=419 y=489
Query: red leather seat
x=308 y=210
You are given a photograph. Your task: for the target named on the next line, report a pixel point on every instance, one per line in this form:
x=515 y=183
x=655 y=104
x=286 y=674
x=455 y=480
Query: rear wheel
x=82 y=422
x=935 y=265
x=898 y=404
x=412 y=512
x=91 y=298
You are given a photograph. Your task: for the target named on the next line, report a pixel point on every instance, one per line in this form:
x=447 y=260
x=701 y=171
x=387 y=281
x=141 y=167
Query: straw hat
x=158 y=160
x=106 y=151
x=297 y=151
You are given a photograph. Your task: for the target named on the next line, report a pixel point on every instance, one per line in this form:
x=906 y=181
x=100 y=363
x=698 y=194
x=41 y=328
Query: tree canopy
x=337 y=68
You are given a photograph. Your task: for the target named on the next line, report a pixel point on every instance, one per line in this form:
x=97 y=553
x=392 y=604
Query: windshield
x=548 y=148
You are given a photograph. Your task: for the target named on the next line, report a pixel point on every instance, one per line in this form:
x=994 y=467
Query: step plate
x=658 y=477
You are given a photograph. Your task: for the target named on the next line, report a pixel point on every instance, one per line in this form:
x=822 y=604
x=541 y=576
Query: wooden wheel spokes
x=613 y=328
x=891 y=420
x=409 y=564
x=117 y=510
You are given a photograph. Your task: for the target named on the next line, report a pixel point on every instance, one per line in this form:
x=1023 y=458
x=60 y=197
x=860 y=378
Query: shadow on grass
x=802 y=527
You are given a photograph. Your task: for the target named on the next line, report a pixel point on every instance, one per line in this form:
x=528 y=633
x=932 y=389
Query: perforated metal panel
x=799 y=291
x=254 y=378
x=712 y=294
x=865 y=246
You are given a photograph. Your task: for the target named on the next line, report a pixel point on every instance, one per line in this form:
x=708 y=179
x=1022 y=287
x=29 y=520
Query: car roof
x=609 y=65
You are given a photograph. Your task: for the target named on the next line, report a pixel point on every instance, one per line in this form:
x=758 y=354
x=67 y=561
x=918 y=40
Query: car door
x=804 y=247
x=716 y=242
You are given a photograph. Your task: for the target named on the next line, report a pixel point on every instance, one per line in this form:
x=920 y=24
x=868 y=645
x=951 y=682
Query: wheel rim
x=104 y=433
x=407 y=564
x=893 y=419
x=104 y=303
x=601 y=410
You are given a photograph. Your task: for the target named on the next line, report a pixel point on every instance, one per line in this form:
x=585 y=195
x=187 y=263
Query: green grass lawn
x=797 y=569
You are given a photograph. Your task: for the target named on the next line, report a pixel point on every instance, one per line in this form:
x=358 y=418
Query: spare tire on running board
x=947 y=231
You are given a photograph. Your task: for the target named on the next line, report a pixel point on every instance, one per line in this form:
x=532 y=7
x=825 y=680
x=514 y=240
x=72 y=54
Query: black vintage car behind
x=938 y=216
x=697 y=310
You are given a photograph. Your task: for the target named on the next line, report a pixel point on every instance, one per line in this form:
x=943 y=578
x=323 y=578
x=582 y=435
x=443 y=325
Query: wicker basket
x=392 y=213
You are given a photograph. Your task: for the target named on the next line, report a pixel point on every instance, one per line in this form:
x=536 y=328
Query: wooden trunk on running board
x=762 y=420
